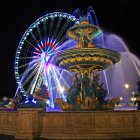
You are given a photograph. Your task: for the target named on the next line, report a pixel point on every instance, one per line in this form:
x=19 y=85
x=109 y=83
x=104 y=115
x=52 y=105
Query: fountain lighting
x=61 y=89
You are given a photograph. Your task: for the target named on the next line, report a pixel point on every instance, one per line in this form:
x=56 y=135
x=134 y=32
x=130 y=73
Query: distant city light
x=133 y=93
x=133 y=99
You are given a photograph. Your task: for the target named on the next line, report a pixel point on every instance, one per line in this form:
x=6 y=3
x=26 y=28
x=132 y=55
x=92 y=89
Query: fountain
x=85 y=59
x=86 y=51
x=128 y=69
x=88 y=71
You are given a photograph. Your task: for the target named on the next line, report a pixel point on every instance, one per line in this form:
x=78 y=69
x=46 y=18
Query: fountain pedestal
x=29 y=123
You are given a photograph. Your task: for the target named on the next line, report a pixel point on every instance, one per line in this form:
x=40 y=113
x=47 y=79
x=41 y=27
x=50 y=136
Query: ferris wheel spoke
x=63 y=29
x=56 y=78
x=27 y=64
x=44 y=27
x=51 y=86
x=45 y=44
x=40 y=47
x=49 y=77
x=57 y=27
x=62 y=39
x=30 y=43
x=34 y=37
x=31 y=84
x=29 y=76
x=25 y=73
x=48 y=49
x=28 y=70
x=39 y=82
x=60 y=47
x=39 y=32
x=61 y=77
x=52 y=83
x=51 y=27
x=27 y=51
x=28 y=57
x=37 y=75
x=50 y=52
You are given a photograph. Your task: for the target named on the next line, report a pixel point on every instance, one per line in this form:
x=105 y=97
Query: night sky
x=121 y=17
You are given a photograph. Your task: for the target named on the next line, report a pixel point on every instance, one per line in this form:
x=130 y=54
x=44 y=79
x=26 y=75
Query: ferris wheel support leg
x=17 y=91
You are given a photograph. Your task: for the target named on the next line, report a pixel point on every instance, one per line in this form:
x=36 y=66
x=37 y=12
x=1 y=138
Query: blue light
x=48 y=102
x=24 y=38
x=30 y=30
x=77 y=22
x=34 y=101
x=47 y=58
x=26 y=102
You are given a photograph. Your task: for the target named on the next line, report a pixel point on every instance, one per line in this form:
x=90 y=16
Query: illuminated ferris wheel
x=44 y=38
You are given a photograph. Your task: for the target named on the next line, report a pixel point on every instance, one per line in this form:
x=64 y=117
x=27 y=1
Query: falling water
x=126 y=71
x=127 y=50
x=91 y=16
x=77 y=13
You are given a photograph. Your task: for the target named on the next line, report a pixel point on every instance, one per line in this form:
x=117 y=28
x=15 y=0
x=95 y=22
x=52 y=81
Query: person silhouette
x=42 y=95
x=137 y=102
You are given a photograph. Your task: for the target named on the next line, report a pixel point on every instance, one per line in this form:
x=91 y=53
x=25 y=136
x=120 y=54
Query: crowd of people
x=37 y=100
x=89 y=88
x=7 y=103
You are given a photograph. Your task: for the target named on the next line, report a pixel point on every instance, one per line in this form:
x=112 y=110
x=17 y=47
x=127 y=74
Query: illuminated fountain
x=45 y=56
x=127 y=71
x=85 y=59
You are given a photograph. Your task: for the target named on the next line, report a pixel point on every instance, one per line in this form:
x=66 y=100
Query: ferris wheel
x=44 y=38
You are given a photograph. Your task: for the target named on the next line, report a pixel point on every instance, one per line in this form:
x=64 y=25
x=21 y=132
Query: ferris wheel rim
x=27 y=32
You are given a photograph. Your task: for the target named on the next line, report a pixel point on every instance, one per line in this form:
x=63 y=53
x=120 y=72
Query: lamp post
x=127 y=87
x=133 y=98
x=121 y=101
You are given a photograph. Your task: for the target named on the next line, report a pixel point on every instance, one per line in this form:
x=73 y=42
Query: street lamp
x=127 y=87
x=133 y=98
x=121 y=98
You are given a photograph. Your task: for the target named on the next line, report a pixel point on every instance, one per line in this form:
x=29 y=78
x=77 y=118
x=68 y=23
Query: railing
x=34 y=123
